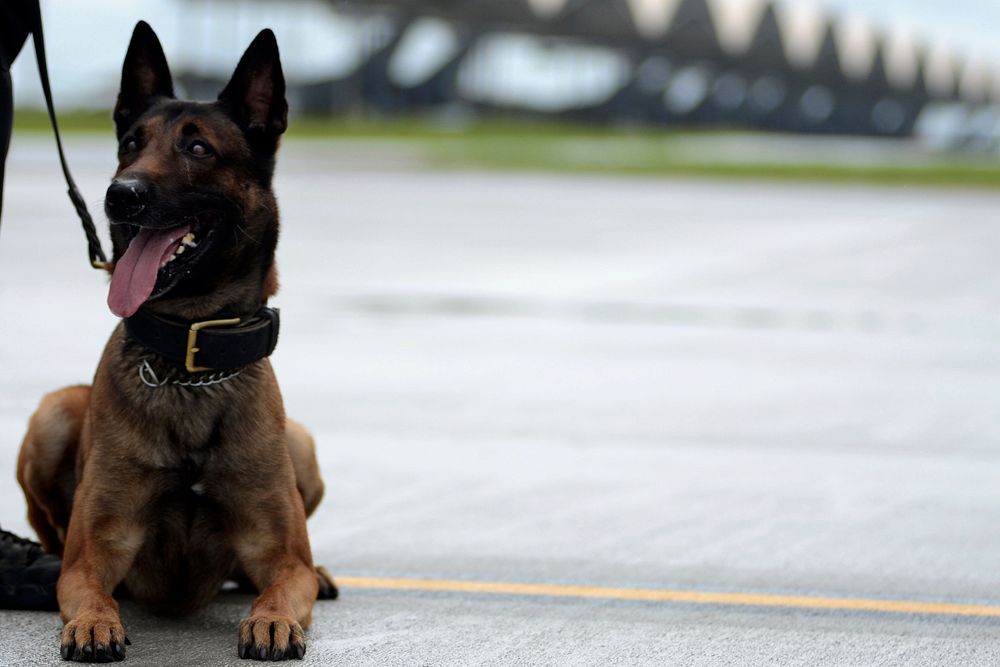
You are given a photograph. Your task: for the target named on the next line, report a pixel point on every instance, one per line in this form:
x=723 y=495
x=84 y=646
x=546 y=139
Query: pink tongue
x=135 y=273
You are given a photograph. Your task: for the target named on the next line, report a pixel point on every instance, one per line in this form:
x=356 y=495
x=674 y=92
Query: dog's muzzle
x=126 y=199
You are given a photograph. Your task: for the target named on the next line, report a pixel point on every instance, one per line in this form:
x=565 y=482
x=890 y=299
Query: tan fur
x=128 y=446
x=46 y=468
x=171 y=491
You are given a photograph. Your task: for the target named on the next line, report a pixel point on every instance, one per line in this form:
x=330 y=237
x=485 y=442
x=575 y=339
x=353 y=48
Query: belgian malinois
x=177 y=470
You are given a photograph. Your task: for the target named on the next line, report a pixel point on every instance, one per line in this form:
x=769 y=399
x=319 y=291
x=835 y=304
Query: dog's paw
x=93 y=638
x=327 y=589
x=271 y=637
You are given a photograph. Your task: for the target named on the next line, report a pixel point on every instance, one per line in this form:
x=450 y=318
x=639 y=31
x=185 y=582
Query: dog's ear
x=255 y=97
x=145 y=77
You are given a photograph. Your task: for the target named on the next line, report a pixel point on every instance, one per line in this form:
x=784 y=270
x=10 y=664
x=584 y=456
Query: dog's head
x=193 y=219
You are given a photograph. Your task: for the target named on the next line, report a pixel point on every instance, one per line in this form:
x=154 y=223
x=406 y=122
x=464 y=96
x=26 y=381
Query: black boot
x=27 y=574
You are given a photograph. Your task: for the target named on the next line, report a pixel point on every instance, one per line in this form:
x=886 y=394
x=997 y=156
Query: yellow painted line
x=666 y=595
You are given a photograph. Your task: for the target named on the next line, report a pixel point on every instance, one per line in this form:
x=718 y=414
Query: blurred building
x=673 y=63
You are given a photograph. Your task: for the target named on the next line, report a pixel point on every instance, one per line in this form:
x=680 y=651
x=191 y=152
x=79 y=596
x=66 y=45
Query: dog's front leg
x=104 y=537
x=273 y=548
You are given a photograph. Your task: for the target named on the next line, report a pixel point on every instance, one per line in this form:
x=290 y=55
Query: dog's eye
x=129 y=146
x=199 y=149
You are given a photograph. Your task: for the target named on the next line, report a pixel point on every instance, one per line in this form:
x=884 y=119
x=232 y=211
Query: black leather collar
x=218 y=344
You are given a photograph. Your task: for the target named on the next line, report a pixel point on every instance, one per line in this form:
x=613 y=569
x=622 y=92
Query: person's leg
x=6 y=123
x=16 y=19
x=27 y=574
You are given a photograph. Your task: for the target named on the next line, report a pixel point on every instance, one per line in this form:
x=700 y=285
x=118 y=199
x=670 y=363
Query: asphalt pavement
x=590 y=420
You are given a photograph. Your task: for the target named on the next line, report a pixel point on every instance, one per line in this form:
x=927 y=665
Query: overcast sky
x=87 y=40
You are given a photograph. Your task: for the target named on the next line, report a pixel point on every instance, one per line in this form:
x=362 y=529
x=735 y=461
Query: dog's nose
x=126 y=199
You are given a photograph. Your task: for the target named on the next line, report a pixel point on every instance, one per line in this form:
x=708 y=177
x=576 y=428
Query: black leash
x=97 y=258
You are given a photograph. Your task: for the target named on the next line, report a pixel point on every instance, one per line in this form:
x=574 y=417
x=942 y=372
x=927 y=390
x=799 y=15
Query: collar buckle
x=192 y=341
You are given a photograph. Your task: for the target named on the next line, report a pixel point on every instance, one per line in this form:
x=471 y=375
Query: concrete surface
x=574 y=380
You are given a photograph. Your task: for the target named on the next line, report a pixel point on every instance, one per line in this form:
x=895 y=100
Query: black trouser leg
x=6 y=123
x=16 y=19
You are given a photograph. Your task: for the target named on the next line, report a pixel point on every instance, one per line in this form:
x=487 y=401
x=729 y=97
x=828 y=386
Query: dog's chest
x=191 y=504
x=187 y=552
x=191 y=499
x=191 y=484
x=189 y=478
x=185 y=441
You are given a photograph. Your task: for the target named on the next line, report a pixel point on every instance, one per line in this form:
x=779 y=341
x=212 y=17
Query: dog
x=177 y=470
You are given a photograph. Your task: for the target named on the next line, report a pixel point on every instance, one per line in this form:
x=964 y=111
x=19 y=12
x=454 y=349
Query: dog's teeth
x=188 y=239
x=180 y=249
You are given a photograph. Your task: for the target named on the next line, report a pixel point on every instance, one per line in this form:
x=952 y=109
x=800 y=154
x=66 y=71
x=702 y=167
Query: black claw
x=66 y=650
x=101 y=653
x=277 y=654
x=262 y=653
x=117 y=651
x=241 y=650
x=77 y=654
x=128 y=642
x=300 y=651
